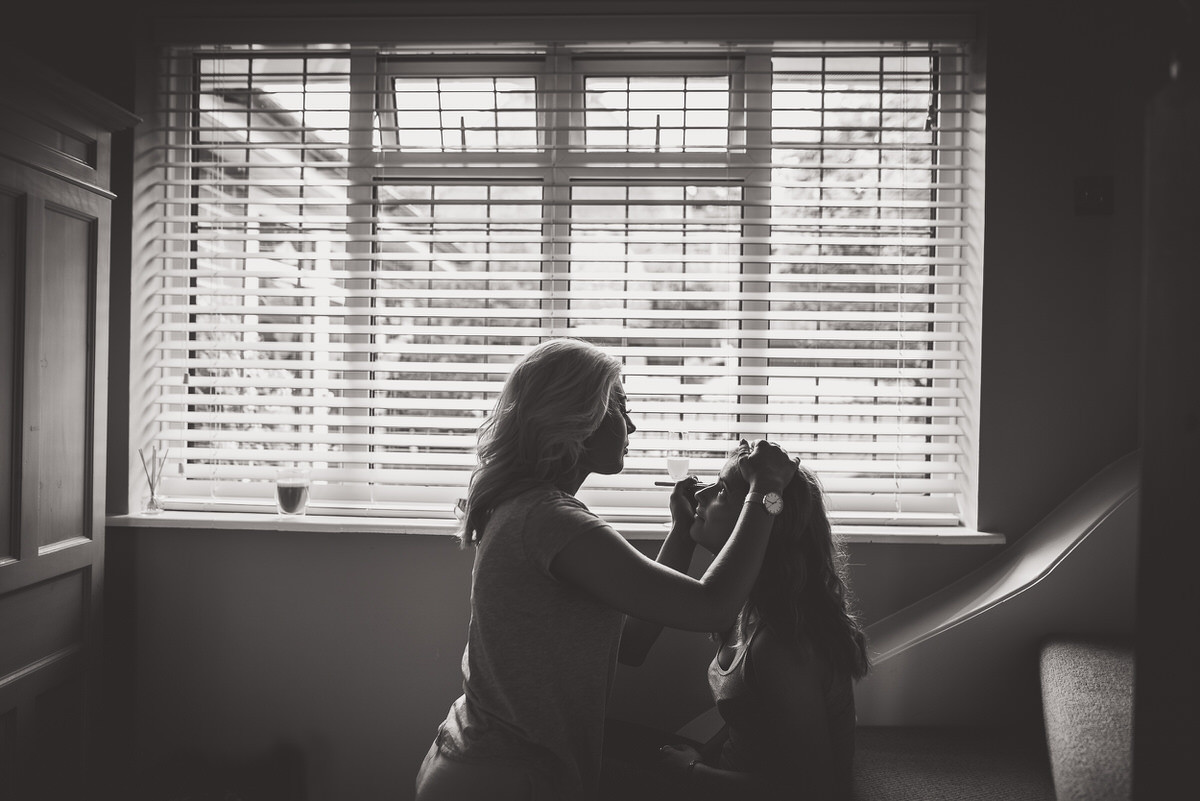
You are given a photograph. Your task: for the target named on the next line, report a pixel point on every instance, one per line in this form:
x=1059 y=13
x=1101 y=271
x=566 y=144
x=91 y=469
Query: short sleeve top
x=541 y=654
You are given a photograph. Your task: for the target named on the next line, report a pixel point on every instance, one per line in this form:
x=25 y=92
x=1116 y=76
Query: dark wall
x=1068 y=85
x=89 y=42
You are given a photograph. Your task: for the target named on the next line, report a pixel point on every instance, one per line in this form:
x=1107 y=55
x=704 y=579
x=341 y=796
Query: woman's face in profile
x=718 y=506
x=606 y=447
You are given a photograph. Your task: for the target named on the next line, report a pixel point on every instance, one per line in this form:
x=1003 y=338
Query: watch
x=771 y=501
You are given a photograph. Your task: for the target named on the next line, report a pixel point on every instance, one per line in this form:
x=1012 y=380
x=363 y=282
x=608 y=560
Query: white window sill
x=250 y=521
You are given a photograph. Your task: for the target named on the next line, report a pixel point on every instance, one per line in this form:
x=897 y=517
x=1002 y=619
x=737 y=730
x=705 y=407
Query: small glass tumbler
x=291 y=491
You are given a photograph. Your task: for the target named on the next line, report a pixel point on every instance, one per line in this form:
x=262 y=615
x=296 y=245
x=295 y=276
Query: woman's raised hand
x=766 y=466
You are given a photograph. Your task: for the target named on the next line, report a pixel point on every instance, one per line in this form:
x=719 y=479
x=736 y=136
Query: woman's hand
x=766 y=466
x=683 y=502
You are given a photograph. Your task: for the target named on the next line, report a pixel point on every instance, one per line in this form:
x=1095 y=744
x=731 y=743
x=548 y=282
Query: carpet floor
x=951 y=764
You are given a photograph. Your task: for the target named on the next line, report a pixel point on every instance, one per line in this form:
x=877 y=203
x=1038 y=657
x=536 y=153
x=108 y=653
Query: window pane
x=268 y=173
x=859 y=202
x=458 y=272
x=656 y=113
x=469 y=114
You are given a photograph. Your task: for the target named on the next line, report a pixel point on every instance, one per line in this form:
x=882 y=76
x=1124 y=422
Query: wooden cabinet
x=55 y=207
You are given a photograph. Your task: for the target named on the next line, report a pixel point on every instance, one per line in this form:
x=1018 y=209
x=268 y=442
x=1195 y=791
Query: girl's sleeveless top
x=756 y=741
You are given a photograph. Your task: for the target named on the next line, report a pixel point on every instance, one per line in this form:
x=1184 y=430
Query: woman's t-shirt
x=540 y=655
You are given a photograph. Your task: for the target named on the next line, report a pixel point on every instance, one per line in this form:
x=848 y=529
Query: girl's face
x=605 y=449
x=718 y=507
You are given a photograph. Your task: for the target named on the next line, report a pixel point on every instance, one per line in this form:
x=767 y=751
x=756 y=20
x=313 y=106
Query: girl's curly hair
x=802 y=585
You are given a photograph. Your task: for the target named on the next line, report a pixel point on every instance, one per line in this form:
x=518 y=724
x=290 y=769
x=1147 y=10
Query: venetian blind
x=355 y=244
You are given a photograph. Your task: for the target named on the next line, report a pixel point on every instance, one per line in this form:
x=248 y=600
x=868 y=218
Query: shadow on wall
x=968 y=654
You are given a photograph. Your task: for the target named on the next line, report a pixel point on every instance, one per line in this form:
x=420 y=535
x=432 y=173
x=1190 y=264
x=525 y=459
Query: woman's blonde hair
x=554 y=398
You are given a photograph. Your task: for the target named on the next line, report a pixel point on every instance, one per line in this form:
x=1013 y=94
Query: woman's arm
x=676 y=553
x=607 y=567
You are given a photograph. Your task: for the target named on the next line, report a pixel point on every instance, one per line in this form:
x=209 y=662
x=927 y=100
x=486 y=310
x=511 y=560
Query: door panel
x=44 y=734
x=10 y=325
x=58 y=605
x=64 y=376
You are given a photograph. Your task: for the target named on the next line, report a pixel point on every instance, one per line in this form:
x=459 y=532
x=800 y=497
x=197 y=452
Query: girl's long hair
x=802 y=587
x=554 y=398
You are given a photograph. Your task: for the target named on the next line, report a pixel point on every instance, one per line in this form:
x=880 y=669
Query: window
x=352 y=245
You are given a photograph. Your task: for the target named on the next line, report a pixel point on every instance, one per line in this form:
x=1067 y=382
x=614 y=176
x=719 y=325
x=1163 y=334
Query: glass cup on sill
x=291 y=491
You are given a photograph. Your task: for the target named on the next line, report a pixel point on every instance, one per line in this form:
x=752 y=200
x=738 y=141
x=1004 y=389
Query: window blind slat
x=224 y=464
x=652 y=440
x=746 y=406
x=898 y=357
x=186 y=275
x=579 y=329
x=668 y=380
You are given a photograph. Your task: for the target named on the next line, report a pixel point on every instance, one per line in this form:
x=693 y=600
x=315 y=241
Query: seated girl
x=783 y=675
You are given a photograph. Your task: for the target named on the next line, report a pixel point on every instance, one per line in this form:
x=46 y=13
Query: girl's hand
x=766 y=466
x=683 y=502
x=678 y=758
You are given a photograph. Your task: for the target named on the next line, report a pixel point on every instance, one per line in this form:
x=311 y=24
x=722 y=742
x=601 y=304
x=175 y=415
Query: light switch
x=1094 y=194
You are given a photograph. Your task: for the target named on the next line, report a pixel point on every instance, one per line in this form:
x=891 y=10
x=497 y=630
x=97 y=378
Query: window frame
x=434 y=166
